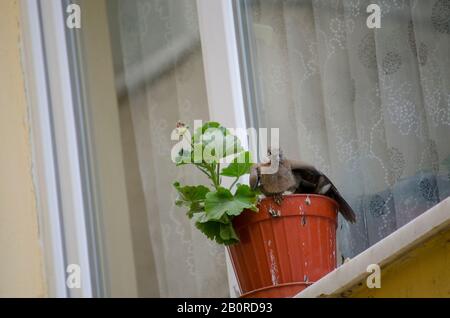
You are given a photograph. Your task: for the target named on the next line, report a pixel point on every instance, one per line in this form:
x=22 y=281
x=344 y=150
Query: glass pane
x=143 y=71
x=369 y=107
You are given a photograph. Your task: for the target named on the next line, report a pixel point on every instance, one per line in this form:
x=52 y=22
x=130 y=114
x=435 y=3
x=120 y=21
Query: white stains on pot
x=274 y=213
x=308 y=200
x=303 y=216
x=273 y=265
x=332 y=256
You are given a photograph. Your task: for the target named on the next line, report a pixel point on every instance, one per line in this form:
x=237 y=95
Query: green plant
x=213 y=207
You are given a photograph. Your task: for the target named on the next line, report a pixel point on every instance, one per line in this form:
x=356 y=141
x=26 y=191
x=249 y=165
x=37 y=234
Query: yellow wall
x=422 y=272
x=21 y=272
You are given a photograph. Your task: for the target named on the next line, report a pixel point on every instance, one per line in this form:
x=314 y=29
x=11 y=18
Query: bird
x=296 y=177
x=274 y=183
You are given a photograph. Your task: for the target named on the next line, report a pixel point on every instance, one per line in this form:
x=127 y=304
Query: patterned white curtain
x=370 y=107
x=160 y=81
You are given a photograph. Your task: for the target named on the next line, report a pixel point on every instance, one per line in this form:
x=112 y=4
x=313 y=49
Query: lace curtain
x=369 y=107
x=160 y=80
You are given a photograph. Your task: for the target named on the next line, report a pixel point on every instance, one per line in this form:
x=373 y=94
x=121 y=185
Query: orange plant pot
x=284 y=249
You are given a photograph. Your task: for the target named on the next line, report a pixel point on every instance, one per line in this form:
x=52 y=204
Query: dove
x=296 y=177
x=281 y=180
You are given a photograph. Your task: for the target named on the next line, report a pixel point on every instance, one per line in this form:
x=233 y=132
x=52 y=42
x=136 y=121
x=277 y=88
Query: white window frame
x=386 y=251
x=57 y=158
x=62 y=206
x=225 y=92
x=43 y=151
x=56 y=154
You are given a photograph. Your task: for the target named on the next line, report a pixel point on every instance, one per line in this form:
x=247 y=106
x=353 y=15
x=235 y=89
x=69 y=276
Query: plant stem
x=213 y=177
x=205 y=172
x=218 y=173
x=235 y=181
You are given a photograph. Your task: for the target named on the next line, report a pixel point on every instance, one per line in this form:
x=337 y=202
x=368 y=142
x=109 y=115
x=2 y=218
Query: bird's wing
x=311 y=174
x=254 y=176
x=305 y=172
x=297 y=164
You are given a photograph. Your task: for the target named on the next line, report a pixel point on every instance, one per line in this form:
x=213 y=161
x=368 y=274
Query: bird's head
x=275 y=154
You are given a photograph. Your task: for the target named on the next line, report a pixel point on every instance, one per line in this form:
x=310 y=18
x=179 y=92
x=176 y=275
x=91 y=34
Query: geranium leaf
x=210 y=229
x=184 y=157
x=191 y=193
x=216 y=142
x=195 y=208
x=200 y=217
x=222 y=233
x=200 y=131
x=192 y=197
x=240 y=166
x=221 y=202
x=212 y=211
x=246 y=195
x=227 y=233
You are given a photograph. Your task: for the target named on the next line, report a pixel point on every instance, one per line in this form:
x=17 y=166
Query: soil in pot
x=285 y=248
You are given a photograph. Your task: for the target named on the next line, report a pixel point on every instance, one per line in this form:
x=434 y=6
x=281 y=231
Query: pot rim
x=305 y=195
x=275 y=286
x=250 y=217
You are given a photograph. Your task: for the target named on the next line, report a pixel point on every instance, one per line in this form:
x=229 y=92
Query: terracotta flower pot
x=285 y=248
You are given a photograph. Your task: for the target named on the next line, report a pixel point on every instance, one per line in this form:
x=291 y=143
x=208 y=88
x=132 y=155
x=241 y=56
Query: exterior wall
x=422 y=272
x=21 y=273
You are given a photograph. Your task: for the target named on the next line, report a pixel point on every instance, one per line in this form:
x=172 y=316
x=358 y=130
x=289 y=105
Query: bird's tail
x=345 y=209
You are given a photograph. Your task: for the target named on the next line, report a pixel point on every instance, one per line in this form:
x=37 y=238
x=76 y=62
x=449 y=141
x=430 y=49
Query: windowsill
x=344 y=278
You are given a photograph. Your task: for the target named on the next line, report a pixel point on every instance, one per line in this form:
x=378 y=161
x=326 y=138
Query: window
x=107 y=97
x=144 y=71
x=369 y=107
x=159 y=77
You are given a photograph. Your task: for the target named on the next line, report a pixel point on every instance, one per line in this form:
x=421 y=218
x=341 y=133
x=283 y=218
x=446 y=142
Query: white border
x=222 y=77
x=55 y=140
x=221 y=63
x=382 y=253
x=44 y=167
x=57 y=155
